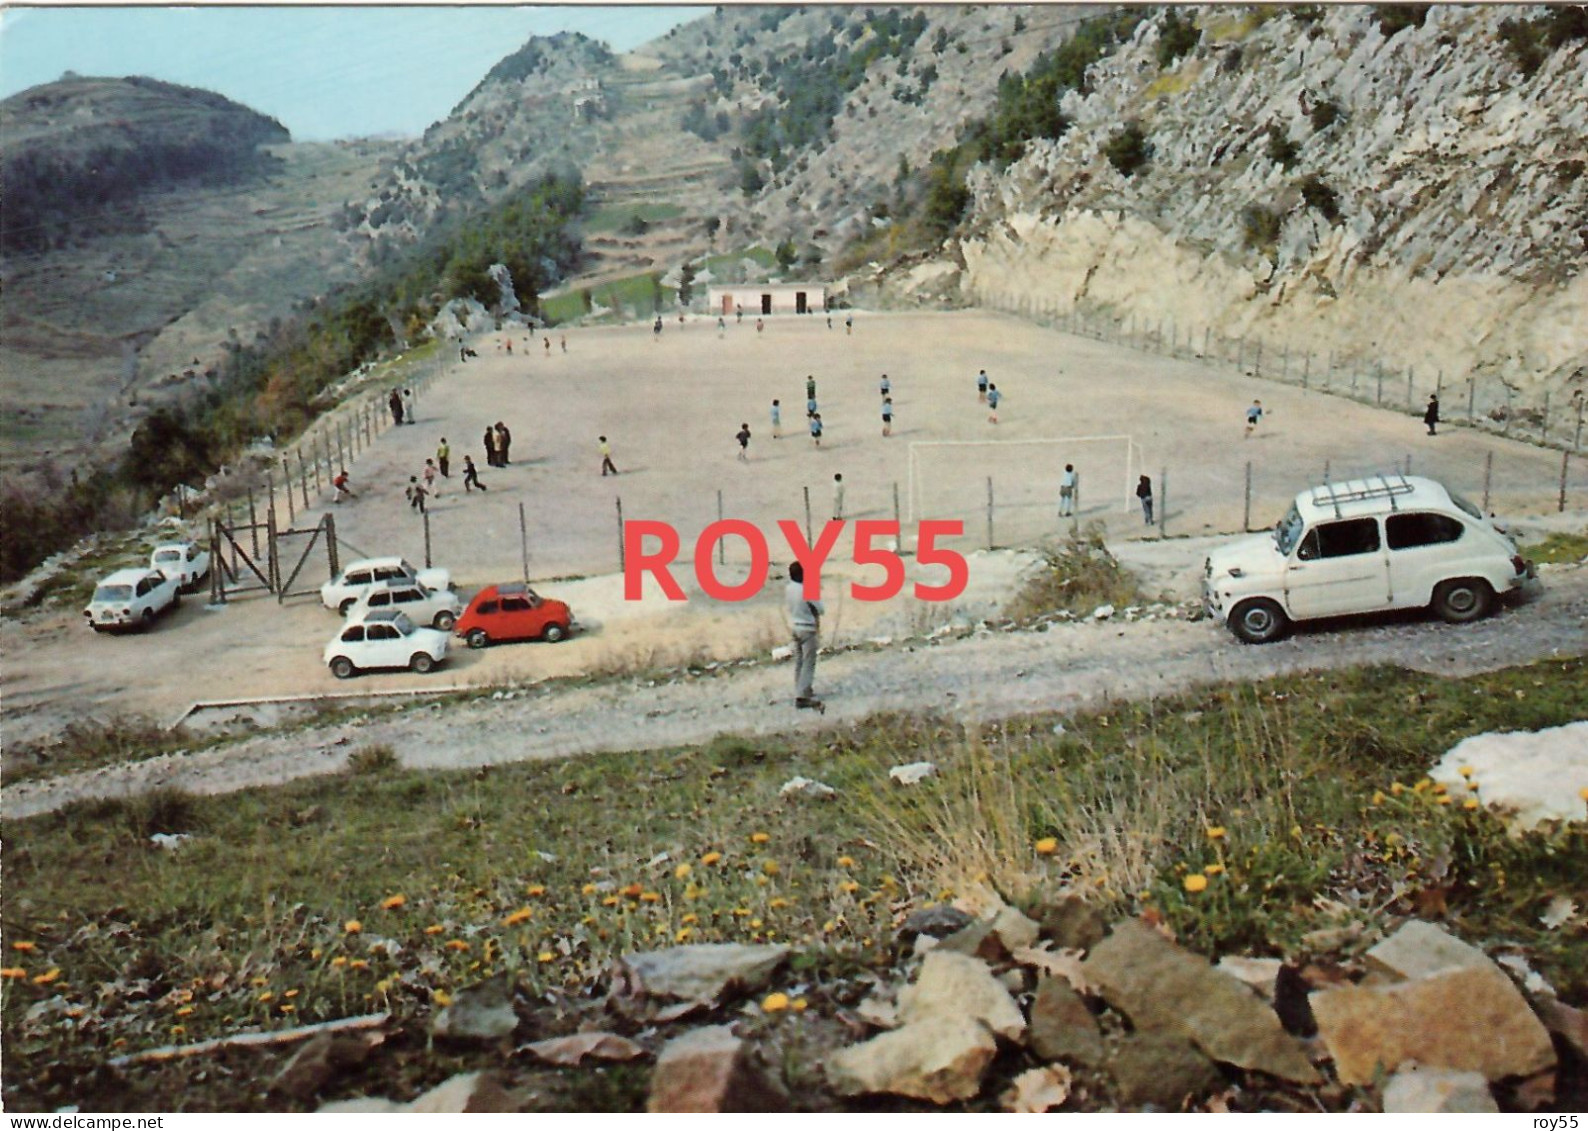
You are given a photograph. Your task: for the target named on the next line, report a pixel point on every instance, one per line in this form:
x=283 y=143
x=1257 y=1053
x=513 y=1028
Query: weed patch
x=1076 y=577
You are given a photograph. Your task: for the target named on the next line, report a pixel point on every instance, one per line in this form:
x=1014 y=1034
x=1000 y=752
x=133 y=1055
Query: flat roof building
x=758 y=299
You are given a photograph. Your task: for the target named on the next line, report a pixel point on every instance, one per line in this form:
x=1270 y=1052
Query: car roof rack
x=1381 y=486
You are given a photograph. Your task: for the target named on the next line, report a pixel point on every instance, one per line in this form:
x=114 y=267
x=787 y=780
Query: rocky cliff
x=1310 y=181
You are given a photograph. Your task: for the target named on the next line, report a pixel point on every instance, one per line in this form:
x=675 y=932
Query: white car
x=386 y=638
x=1362 y=546
x=188 y=562
x=340 y=593
x=439 y=608
x=131 y=598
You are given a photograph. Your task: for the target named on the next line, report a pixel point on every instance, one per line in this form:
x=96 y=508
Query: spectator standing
x=887 y=416
x=981 y=387
x=1069 y=484
x=1431 y=415
x=408 y=406
x=838 y=497
x=777 y=419
x=504 y=440
x=805 y=620
x=395 y=403
x=444 y=458
x=1144 y=493
x=491 y=459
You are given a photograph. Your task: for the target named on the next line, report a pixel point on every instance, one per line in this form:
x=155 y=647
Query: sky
x=323 y=72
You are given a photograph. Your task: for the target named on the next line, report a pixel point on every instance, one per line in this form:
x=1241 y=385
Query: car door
x=384 y=647
x=1337 y=567
x=380 y=598
x=409 y=599
x=519 y=621
x=1421 y=555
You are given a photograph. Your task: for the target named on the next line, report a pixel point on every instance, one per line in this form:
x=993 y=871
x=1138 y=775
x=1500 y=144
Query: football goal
x=948 y=479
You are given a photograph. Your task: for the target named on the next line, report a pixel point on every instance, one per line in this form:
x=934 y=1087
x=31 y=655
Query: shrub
x=1324 y=114
x=1076 y=577
x=1394 y=18
x=1281 y=150
x=374 y=758
x=1318 y=195
x=1177 y=37
x=1127 y=150
x=1260 y=227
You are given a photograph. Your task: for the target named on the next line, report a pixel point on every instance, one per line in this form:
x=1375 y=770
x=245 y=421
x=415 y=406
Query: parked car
x=513 y=611
x=1390 y=542
x=340 y=593
x=131 y=598
x=188 y=562
x=386 y=638
x=439 y=608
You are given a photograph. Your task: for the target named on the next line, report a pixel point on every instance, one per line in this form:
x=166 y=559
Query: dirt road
x=986 y=675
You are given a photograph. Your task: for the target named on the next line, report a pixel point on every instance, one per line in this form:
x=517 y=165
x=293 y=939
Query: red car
x=512 y=612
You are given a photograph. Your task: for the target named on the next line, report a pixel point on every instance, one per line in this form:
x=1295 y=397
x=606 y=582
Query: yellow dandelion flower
x=650 y=897
x=1213 y=870
x=1216 y=832
x=1394 y=840
x=690 y=918
x=286 y=1008
x=1422 y=786
x=13 y=973
x=266 y=996
x=633 y=891
x=849 y=887
x=259 y=981
x=761 y=881
x=1378 y=797
x=185 y=1011
x=545 y=956
x=759 y=838
x=741 y=912
x=1444 y=799
x=53 y=974
x=609 y=901
x=1196 y=882
x=535 y=890
x=441 y=998
x=1441 y=787
x=777 y=904
x=588 y=889
x=755 y=924
x=434 y=929
x=1397 y=788
x=711 y=858
x=457 y=945
x=1295 y=831
x=352 y=926
x=683 y=934
x=682 y=871
x=393 y=902
x=179 y=1030
x=23 y=946
x=1047 y=846
x=1465 y=771
x=799 y=1005
x=846 y=861
x=339 y=960
x=1473 y=787
x=522 y=915
x=1471 y=803
x=771 y=868
x=829 y=927
x=774 y=1003
x=358 y=964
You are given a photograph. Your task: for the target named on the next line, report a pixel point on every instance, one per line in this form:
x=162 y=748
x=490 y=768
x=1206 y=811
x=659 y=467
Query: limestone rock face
x=705 y=971
x=481 y=1012
x=1162 y=986
x=1470 y=1018
x=940 y=1059
x=1419 y=949
x=1438 y=1091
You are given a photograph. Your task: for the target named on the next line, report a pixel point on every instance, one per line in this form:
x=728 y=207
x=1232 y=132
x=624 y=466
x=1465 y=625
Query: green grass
x=1558 y=549
x=615 y=218
x=729 y=261
x=552 y=868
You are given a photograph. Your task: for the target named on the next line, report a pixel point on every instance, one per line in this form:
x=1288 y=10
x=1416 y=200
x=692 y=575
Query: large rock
x=710 y=1070
x=1062 y=1027
x=1419 y=949
x=1161 y=1069
x=1160 y=985
x=481 y=1012
x=952 y=985
x=704 y=972
x=468 y=1092
x=940 y=1059
x=1471 y=1018
x=1438 y=1091
x=320 y=1058
x=938 y=922
x=1073 y=924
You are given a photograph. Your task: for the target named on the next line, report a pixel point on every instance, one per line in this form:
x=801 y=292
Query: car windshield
x=1289 y=530
x=168 y=556
x=403 y=624
x=1465 y=504
x=111 y=593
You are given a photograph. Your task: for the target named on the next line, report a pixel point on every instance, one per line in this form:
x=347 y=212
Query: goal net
x=948 y=479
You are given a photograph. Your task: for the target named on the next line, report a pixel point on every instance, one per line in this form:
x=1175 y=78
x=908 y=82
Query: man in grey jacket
x=806 y=619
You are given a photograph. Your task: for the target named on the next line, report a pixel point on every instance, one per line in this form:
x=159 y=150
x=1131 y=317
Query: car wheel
x=347 y=604
x=342 y=668
x=445 y=620
x=421 y=662
x=477 y=638
x=1462 y=600
x=176 y=600
x=1258 y=621
x=146 y=619
x=99 y=628
x=553 y=633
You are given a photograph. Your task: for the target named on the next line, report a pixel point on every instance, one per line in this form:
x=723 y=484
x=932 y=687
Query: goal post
x=948 y=479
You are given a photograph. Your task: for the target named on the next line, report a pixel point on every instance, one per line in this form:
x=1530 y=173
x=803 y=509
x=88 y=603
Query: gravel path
x=987 y=675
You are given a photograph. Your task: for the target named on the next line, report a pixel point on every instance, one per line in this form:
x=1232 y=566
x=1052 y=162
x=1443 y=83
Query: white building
x=757 y=299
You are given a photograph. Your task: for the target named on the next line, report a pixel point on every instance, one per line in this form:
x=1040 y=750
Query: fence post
x=989 y=513
x=424 y=516
x=896 y=520
x=1328 y=373
x=523 y=542
x=1306 y=370
x=253 y=523
x=721 y=551
x=1246 y=520
x=1507 y=408
x=1408 y=470
x=1380 y=394
x=1257 y=366
x=623 y=567
x=1472 y=391
x=270 y=488
x=1163 y=502
x=1565 y=460
x=286 y=482
x=1488 y=479
x=333 y=554
x=1577 y=439
x=807 y=491
x=273 y=566
x=217 y=585
x=1408 y=388
x=1543 y=428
